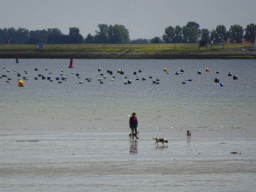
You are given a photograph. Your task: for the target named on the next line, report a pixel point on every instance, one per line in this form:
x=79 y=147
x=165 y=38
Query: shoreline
x=39 y=54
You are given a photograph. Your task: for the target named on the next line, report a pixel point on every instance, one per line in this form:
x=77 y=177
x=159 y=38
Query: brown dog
x=160 y=140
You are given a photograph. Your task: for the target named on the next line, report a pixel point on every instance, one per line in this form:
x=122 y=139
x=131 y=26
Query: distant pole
x=17 y=59
x=223 y=42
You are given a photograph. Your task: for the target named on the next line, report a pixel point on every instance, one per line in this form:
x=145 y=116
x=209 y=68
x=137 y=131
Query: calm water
x=80 y=130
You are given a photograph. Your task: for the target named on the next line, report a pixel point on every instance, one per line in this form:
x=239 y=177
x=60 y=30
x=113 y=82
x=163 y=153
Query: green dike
x=180 y=47
x=126 y=51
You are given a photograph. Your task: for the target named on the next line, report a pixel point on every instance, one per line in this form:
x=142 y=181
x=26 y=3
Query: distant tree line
x=51 y=36
x=106 y=34
x=191 y=34
x=118 y=34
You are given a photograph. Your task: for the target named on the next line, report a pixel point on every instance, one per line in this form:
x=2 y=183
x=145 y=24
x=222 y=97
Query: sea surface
x=72 y=134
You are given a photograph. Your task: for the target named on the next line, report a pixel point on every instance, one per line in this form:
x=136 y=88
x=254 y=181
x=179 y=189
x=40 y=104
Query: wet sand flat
x=107 y=160
x=74 y=137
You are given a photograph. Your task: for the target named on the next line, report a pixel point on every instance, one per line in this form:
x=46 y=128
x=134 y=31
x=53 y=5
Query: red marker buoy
x=17 y=59
x=71 y=63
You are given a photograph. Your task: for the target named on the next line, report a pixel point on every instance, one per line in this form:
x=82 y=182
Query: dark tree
x=139 y=41
x=221 y=32
x=119 y=34
x=54 y=35
x=214 y=35
x=54 y=31
x=11 y=35
x=74 y=36
x=53 y=39
x=40 y=34
x=3 y=36
x=169 y=35
x=73 y=31
x=102 y=35
x=227 y=35
x=156 y=40
x=89 y=39
x=185 y=31
x=14 y=36
x=236 y=33
x=33 y=40
x=21 y=35
x=192 y=24
x=112 y=34
x=250 y=31
x=205 y=35
x=177 y=34
x=191 y=32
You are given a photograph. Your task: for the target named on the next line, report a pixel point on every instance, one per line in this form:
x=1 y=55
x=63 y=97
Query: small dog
x=160 y=140
x=132 y=135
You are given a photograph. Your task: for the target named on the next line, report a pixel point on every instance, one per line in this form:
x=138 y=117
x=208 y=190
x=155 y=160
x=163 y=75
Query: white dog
x=160 y=140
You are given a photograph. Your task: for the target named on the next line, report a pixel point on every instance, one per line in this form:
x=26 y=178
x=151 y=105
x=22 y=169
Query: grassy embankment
x=122 y=50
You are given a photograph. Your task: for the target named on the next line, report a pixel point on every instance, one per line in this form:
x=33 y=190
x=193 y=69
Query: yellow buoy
x=207 y=69
x=20 y=83
x=119 y=70
x=165 y=69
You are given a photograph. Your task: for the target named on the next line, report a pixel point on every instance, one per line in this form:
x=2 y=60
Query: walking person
x=133 y=122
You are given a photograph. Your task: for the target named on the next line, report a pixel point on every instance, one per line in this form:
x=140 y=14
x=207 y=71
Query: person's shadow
x=133 y=147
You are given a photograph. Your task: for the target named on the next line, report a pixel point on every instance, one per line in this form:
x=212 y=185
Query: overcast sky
x=143 y=18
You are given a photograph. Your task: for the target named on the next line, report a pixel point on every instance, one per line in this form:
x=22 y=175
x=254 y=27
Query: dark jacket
x=133 y=122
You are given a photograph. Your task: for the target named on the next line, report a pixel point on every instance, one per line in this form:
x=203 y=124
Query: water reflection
x=188 y=140
x=133 y=147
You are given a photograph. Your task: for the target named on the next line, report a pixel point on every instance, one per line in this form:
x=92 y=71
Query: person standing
x=133 y=122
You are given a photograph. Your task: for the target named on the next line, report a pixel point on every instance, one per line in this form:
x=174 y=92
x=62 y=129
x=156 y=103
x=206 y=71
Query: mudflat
x=130 y=55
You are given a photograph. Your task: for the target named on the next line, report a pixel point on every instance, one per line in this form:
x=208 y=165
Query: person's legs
x=135 y=129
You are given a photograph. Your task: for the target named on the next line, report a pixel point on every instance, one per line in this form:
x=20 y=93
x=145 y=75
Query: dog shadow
x=161 y=146
x=188 y=140
x=133 y=150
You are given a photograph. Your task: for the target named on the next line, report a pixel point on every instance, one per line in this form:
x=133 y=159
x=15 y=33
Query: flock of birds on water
x=119 y=71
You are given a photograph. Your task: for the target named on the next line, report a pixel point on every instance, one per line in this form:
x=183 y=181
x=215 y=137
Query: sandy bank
x=130 y=55
x=178 y=167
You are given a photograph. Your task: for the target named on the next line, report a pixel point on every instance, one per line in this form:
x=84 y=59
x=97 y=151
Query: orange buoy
x=165 y=69
x=119 y=71
x=207 y=69
x=20 y=83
